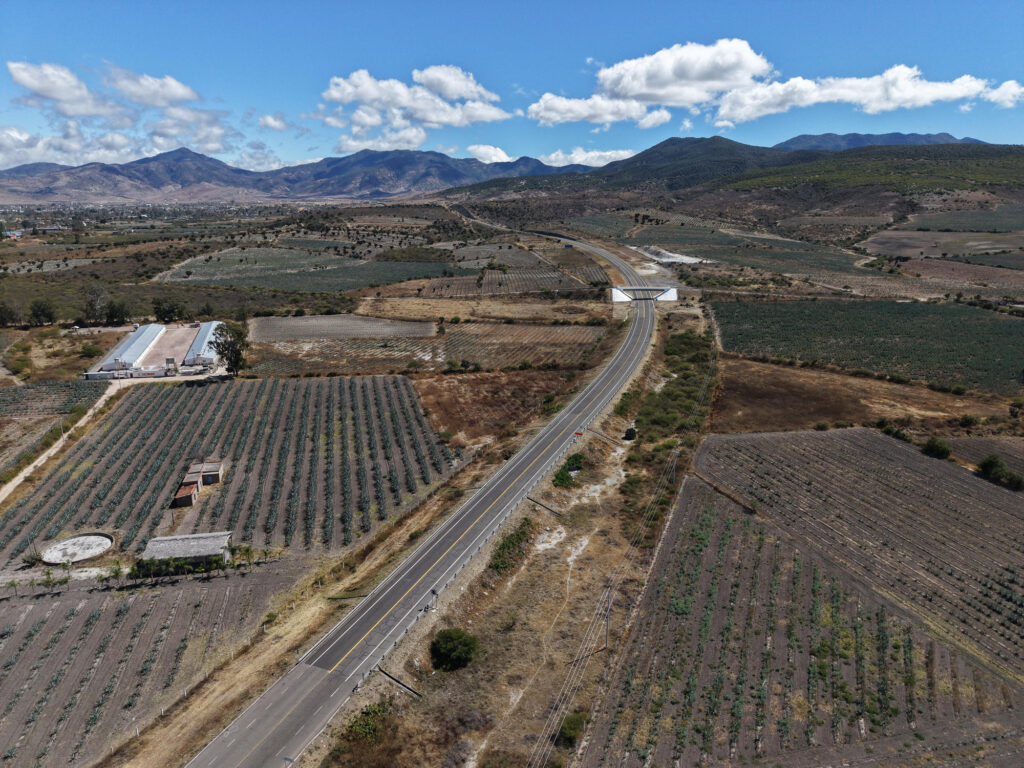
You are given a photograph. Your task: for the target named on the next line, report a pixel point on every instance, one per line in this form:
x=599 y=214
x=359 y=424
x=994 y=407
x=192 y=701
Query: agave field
x=488 y=345
x=747 y=648
x=491 y=282
x=310 y=463
x=939 y=541
x=28 y=413
x=89 y=664
x=974 y=449
x=944 y=344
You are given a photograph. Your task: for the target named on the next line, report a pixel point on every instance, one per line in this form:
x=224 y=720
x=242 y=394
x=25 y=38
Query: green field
x=945 y=344
x=290 y=269
x=771 y=254
x=1005 y=218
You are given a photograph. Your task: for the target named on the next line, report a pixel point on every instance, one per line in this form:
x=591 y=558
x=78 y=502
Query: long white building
x=133 y=348
x=201 y=352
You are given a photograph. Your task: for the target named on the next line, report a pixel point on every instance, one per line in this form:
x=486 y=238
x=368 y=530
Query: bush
x=571 y=728
x=512 y=547
x=936 y=448
x=453 y=649
x=992 y=467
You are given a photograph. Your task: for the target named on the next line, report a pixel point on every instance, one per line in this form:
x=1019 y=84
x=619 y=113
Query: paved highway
x=278 y=726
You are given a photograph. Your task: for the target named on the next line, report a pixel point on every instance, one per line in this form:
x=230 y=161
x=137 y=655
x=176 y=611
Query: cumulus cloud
x=738 y=84
x=899 y=87
x=487 y=153
x=274 y=122
x=452 y=83
x=257 y=156
x=551 y=109
x=685 y=75
x=148 y=90
x=58 y=87
x=581 y=156
x=410 y=137
x=204 y=129
x=69 y=147
x=1007 y=95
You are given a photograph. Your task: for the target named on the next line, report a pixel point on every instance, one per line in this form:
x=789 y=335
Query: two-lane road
x=278 y=726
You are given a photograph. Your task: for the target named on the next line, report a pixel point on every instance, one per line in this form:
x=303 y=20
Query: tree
x=230 y=342
x=167 y=310
x=96 y=299
x=992 y=467
x=42 y=312
x=8 y=314
x=117 y=313
x=936 y=448
x=453 y=649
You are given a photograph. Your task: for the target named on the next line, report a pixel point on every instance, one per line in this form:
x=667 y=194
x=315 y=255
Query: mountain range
x=186 y=176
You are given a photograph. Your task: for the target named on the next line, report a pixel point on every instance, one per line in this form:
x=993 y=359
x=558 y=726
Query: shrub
x=453 y=649
x=511 y=548
x=992 y=467
x=936 y=448
x=571 y=728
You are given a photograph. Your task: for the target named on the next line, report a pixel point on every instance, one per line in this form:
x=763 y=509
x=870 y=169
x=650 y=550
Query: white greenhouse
x=201 y=351
x=130 y=351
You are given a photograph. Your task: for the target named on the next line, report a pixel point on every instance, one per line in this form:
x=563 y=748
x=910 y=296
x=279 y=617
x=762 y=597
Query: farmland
x=773 y=254
x=903 y=523
x=974 y=449
x=462 y=346
x=311 y=463
x=268 y=329
x=747 y=647
x=1003 y=218
x=542 y=279
x=299 y=270
x=31 y=415
x=86 y=663
x=944 y=344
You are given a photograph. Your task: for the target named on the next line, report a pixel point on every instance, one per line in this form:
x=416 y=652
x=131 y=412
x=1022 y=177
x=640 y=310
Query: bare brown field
x=485 y=308
x=264 y=329
x=931 y=537
x=914 y=244
x=748 y=647
x=463 y=345
x=967 y=275
x=760 y=397
x=476 y=407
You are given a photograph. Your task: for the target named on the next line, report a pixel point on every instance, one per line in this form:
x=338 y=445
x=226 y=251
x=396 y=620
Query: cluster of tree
x=993 y=468
x=453 y=649
x=151 y=569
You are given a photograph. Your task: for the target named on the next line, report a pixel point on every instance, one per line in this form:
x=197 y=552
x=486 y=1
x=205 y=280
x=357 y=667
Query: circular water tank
x=77 y=548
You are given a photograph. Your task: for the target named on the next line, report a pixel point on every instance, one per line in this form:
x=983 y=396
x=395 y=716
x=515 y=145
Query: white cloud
x=411 y=103
x=685 y=75
x=580 y=156
x=1007 y=95
x=487 y=153
x=257 y=157
x=654 y=118
x=452 y=83
x=148 y=90
x=686 y=125
x=57 y=86
x=70 y=147
x=899 y=87
x=274 y=122
x=411 y=137
x=203 y=129
x=739 y=84
x=365 y=118
x=551 y=109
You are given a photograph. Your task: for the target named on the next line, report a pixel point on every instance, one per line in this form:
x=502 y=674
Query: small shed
x=186 y=495
x=212 y=471
x=194 y=474
x=195 y=548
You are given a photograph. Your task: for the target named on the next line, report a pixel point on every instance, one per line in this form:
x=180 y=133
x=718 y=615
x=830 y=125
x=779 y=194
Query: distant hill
x=838 y=142
x=186 y=176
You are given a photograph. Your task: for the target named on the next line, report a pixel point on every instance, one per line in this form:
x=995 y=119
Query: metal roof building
x=200 y=352
x=132 y=349
x=200 y=545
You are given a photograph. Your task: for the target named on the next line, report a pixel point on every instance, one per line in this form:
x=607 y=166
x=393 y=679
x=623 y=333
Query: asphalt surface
x=278 y=726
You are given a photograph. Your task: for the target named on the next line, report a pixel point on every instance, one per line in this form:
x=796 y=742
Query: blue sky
x=265 y=84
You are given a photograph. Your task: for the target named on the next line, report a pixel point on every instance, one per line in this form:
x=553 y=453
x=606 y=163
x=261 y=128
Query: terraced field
x=84 y=665
x=748 y=648
x=946 y=344
x=310 y=463
x=488 y=345
x=933 y=538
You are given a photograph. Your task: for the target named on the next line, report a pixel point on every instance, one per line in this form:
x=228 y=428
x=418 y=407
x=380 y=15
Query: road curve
x=278 y=726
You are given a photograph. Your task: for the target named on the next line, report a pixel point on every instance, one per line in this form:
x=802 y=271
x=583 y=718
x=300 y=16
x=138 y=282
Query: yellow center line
x=433 y=565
